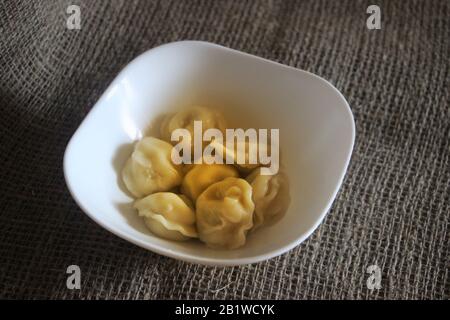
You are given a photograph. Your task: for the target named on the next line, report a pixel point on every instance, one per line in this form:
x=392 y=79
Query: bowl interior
x=316 y=139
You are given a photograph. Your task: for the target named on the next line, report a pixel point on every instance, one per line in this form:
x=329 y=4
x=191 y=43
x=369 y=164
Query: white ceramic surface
x=316 y=134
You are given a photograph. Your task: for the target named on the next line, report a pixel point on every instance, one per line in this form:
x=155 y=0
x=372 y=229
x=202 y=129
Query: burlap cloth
x=393 y=207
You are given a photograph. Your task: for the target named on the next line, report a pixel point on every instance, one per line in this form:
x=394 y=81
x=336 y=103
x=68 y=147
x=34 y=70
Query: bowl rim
x=211 y=261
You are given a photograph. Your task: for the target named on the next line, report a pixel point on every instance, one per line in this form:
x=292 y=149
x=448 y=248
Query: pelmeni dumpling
x=150 y=168
x=184 y=119
x=168 y=215
x=246 y=158
x=205 y=160
x=203 y=175
x=225 y=213
x=270 y=195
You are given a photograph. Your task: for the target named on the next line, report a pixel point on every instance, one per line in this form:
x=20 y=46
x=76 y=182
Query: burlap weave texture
x=392 y=210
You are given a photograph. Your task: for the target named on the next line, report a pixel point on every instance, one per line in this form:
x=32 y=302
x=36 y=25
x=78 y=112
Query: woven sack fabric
x=392 y=210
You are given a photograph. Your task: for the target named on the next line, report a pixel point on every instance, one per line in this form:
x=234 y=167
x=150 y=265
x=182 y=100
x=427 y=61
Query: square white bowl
x=316 y=125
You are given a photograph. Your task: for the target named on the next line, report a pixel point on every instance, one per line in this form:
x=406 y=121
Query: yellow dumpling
x=188 y=167
x=184 y=119
x=150 y=168
x=225 y=213
x=201 y=176
x=168 y=215
x=241 y=157
x=270 y=195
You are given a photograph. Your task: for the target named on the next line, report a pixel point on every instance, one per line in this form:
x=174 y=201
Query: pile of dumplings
x=216 y=203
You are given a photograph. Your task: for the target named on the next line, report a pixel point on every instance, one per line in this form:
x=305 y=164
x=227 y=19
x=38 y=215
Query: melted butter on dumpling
x=270 y=195
x=225 y=213
x=150 y=168
x=168 y=215
x=201 y=176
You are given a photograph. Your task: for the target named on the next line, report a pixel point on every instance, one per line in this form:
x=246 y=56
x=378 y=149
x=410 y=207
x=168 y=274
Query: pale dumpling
x=240 y=157
x=203 y=175
x=168 y=215
x=225 y=213
x=270 y=195
x=150 y=168
x=184 y=119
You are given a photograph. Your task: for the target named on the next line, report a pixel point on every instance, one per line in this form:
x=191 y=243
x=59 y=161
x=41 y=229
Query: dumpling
x=188 y=167
x=150 y=168
x=270 y=195
x=241 y=157
x=168 y=215
x=225 y=213
x=205 y=160
x=203 y=175
x=210 y=118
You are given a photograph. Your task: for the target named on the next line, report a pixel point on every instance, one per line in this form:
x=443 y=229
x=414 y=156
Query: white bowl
x=316 y=136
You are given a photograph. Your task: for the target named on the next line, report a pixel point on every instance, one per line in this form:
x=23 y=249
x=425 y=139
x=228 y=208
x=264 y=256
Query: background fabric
x=393 y=207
